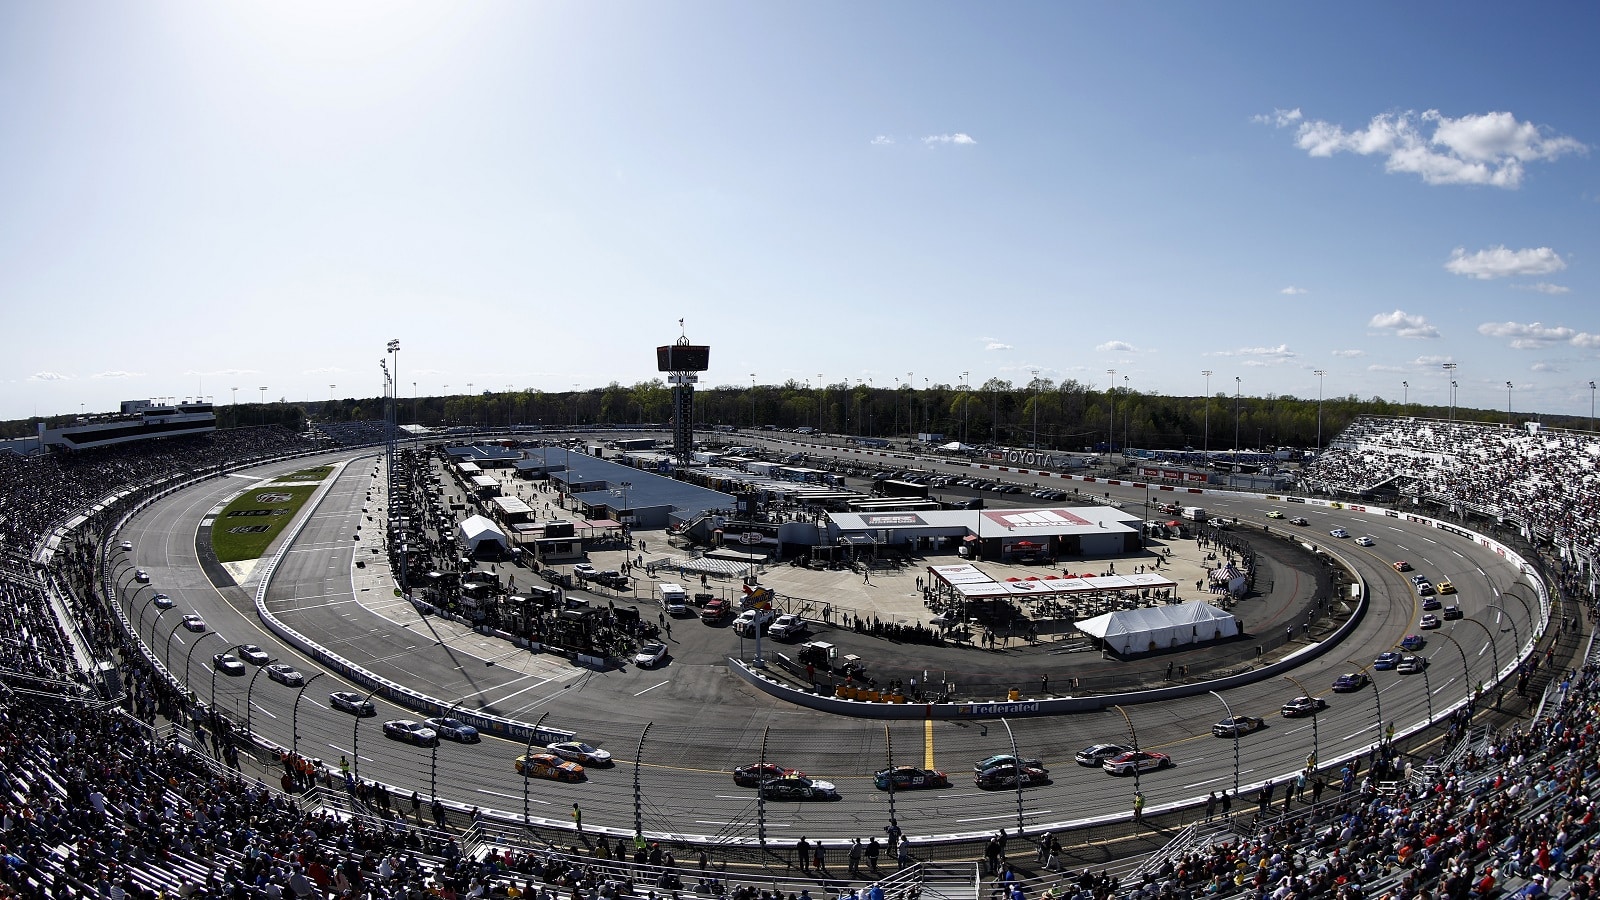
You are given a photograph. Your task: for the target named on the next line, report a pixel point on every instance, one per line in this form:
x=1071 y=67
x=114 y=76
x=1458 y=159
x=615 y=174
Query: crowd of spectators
x=353 y=434
x=1547 y=480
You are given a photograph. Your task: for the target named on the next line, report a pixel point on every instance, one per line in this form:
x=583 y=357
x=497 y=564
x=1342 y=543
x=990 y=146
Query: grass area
x=266 y=510
x=315 y=473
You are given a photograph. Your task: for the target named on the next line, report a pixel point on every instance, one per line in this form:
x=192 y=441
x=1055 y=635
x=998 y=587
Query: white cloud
x=1490 y=149
x=882 y=140
x=1279 y=117
x=1293 y=291
x=1499 y=262
x=957 y=138
x=1432 y=360
x=1403 y=324
x=49 y=376
x=1586 y=341
x=1379 y=367
x=1116 y=347
x=223 y=372
x=116 y=375
x=990 y=343
x=1546 y=367
x=325 y=370
x=1532 y=336
x=1544 y=287
x=1260 y=356
x=1349 y=353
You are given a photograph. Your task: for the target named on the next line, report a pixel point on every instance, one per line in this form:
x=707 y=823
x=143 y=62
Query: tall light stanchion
x=1316 y=737
x=752 y=400
x=1405 y=397
x=233 y=408
x=1016 y=759
x=1591 y=406
x=638 y=790
x=1494 y=650
x=761 y=792
x=1238 y=387
x=1377 y=697
x=1035 y=409
x=888 y=753
x=1466 y=667
x=1508 y=403
x=166 y=652
x=1229 y=710
x=527 y=762
x=248 y=691
x=1133 y=737
x=1205 y=448
x=1319 y=373
x=355 y=743
x=1111 y=429
x=294 y=715
x=1450 y=372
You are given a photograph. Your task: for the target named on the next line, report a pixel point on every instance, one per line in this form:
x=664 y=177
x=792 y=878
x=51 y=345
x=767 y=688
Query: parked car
x=787 y=626
x=410 y=732
x=751 y=619
x=584 y=571
x=352 y=703
x=650 y=655
x=716 y=611
x=1303 y=706
x=1236 y=726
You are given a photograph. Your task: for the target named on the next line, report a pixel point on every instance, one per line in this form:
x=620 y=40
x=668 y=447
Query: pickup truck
x=751 y=620
x=787 y=626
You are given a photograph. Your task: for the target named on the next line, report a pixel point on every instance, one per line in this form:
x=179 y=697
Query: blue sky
x=206 y=196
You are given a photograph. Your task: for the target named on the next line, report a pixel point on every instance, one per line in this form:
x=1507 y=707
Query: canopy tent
x=476 y=530
x=972 y=583
x=954 y=447
x=1148 y=629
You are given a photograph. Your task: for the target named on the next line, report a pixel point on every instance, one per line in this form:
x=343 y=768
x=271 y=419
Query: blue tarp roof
x=646 y=490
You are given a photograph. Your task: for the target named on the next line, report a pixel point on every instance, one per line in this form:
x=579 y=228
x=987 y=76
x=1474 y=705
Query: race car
x=1274 y=515
x=797 y=787
x=650 y=655
x=1339 y=533
x=1302 y=706
x=1007 y=775
x=1350 y=682
x=755 y=773
x=1411 y=665
x=1413 y=642
x=1004 y=759
x=161 y=601
x=227 y=664
x=1386 y=660
x=1095 y=755
x=410 y=732
x=352 y=703
x=1236 y=726
x=1365 y=541
x=1140 y=760
x=1402 y=566
x=578 y=751
x=1431 y=602
x=1445 y=587
x=194 y=623
x=910 y=778
x=1429 y=621
x=454 y=730
x=253 y=655
x=285 y=674
x=546 y=765
x=1453 y=612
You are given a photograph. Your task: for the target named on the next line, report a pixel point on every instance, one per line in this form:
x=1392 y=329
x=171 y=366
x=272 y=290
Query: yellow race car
x=548 y=765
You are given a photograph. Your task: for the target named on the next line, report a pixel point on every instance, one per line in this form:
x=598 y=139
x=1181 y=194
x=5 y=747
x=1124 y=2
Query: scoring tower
x=683 y=361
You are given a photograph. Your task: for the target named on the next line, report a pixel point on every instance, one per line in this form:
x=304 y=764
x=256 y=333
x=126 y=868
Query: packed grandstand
x=96 y=802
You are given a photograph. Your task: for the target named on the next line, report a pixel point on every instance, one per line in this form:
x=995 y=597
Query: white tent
x=954 y=447
x=473 y=532
x=1147 y=629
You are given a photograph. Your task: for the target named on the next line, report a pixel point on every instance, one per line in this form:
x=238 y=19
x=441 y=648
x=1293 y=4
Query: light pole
x=1111 y=429
x=1450 y=372
x=1235 y=724
x=355 y=739
x=1238 y=385
x=527 y=760
x=1508 y=403
x=964 y=407
x=294 y=714
x=1035 y=409
x=1316 y=738
x=1466 y=667
x=1133 y=736
x=1016 y=759
x=248 y=692
x=1591 y=406
x=1319 y=373
x=263 y=390
x=1206 y=447
x=1405 y=396
x=752 y=400
x=233 y=408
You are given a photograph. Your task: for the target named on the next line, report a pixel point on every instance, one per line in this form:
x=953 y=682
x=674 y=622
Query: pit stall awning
x=973 y=583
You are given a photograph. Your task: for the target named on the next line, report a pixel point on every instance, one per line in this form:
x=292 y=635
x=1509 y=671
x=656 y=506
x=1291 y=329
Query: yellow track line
x=927 y=744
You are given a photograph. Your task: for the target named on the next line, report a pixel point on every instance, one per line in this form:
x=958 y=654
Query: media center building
x=996 y=535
